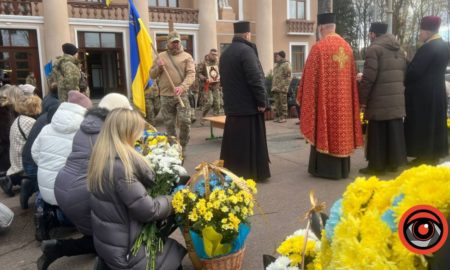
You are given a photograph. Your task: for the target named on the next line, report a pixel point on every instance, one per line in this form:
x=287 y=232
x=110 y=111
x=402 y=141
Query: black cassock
x=426 y=102
x=244 y=147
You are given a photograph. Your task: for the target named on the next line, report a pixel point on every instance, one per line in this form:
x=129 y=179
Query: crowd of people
x=80 y=159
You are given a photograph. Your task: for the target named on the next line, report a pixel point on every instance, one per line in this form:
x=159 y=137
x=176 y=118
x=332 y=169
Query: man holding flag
x=181 y=68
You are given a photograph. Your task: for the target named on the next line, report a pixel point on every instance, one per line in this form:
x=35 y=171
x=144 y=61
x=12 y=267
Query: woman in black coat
x=425 y=97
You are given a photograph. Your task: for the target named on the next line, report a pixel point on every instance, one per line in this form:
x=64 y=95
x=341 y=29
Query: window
x=297 y=58
x=99 y=40
x=297 y=9
x=163 y=3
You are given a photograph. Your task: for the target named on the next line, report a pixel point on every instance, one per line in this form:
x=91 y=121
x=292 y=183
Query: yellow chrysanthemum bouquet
x=362 y=230
x=214 y=209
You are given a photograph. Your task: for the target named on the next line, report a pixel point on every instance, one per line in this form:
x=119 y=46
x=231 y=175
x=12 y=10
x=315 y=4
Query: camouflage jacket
x=152 y=92
x=67 y=75
x=203 y=73
x=281 y=77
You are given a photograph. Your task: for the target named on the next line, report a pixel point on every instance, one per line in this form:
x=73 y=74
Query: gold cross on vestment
x=340 y=57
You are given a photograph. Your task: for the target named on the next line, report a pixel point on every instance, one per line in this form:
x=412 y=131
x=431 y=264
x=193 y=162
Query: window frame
x=306 y=46
x=307 y=10
x=167 y=5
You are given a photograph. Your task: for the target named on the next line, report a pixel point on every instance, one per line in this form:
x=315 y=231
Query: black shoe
x=6 y=185
x=26 y=191
x=51 y=252
x=42 y=231
x=369 y=171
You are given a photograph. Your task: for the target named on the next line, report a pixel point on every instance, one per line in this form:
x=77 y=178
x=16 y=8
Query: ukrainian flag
x=141 y=57
x=107 y=2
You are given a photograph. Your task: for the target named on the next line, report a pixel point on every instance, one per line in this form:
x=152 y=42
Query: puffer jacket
x=71 y=190
x=53 y=145
x=382 y=89
x=118 y=214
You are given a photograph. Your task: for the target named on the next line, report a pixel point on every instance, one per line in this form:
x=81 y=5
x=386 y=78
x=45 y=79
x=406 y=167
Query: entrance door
x=102 y=59
x=19 y=56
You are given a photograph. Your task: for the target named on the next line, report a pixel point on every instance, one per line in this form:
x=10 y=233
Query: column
x=264 y=34
x=142 y=8
x=56 y=27
x=207 y=35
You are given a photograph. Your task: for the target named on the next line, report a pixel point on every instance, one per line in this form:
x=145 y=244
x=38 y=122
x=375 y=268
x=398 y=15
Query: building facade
x=32 y=31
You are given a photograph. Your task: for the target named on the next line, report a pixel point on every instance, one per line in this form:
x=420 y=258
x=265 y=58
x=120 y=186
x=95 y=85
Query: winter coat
x=71 y=190
x=53 y=145
x=242 y=79
x=43 y=120
x=118 y=215
x=17 y=141
x=426 y=101
x=49 y=101
x=382 y=89
x=281 y=76
x=6 y=119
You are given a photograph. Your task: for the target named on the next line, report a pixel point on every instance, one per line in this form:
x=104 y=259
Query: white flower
x=282 y=263
x=180 y=169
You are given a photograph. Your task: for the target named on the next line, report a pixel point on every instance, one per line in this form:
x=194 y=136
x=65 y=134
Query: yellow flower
x=178 y=203
x=216 y=205
x=193 y=216
x=233 y=199
x=251 y=185
x=237 y=209
x=224 y=209
x=208 y=216
x=192 y=196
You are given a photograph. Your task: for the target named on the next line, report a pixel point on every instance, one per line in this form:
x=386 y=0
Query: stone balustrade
x=90 y=10
x=177 y=15
x=21 y=7
x=299 y=26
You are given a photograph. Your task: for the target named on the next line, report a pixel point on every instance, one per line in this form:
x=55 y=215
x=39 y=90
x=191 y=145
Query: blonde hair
x=121 y=129
x=12 y=93
x=28 y=105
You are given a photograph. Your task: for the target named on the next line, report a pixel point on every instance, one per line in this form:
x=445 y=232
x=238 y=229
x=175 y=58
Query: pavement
x=283 y=200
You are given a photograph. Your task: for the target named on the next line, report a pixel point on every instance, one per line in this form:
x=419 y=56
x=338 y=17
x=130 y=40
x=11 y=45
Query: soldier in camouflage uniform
x=213 y=94
x=181 y=68
x=152 y=103
x=66 y=72
x=31 y=79
x=280 y=86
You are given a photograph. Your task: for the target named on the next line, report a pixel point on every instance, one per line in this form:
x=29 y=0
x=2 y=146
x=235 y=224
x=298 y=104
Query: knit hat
x=430 y=23
x=69 y=48
x=80 y=99
x=241 y=27
x=378 y=28
x=114 y=101
x=282 y=54
x=27 y=89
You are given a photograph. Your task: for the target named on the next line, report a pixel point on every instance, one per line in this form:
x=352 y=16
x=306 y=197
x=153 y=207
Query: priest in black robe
x=244 y=144
x=426 y=131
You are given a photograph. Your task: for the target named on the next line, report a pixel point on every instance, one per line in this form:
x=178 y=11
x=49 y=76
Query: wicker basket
x=198 y=265
x=228 y=262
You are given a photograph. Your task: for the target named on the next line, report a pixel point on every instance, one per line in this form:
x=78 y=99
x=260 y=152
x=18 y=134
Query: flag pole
x=168 y=76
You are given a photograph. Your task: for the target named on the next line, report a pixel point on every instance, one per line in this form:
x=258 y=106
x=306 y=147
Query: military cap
x=173 y=36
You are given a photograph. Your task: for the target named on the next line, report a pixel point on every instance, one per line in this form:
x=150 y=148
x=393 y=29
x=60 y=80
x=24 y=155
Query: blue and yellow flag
x=141 y=57
x=107 y=2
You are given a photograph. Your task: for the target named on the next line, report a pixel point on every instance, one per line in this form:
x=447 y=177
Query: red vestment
x=328 y=98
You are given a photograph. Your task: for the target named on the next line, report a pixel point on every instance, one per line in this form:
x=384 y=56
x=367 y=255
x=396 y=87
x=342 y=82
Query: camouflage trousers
x=172 y=111
x=213 y=99
x=281 y=106
x=152 y=107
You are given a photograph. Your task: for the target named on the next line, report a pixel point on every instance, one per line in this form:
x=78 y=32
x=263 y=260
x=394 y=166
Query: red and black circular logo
x=423 y=229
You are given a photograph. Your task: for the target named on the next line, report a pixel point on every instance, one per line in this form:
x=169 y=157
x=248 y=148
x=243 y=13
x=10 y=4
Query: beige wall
x=280 y=39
